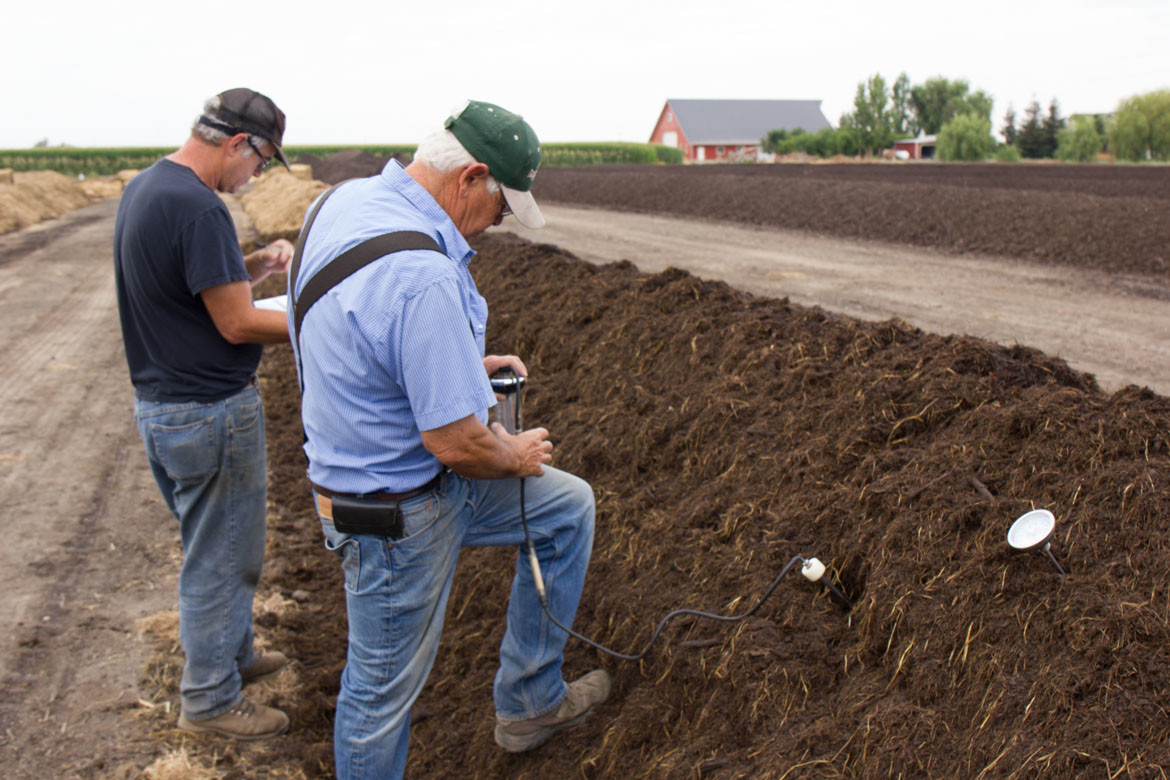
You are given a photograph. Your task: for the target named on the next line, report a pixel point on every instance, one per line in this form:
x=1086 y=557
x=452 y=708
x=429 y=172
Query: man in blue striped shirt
x=404 y=466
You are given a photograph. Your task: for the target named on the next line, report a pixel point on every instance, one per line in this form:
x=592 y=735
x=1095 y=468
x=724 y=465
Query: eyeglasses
x=505 y=209
x=264 y=161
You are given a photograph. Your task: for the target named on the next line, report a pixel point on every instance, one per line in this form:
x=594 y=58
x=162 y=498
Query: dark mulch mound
x=724 y=434
x=346 y=164
x=1114 y=218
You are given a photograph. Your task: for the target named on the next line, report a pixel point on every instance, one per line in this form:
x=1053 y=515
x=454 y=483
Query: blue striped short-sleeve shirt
x=396 y=348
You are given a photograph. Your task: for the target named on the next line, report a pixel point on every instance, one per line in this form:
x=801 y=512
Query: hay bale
x=126 y=175
x=277 y=203
x=5 y=175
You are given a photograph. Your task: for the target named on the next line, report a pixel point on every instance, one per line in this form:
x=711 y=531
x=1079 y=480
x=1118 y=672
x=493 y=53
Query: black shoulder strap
x=342 y=266
x=295 y=266
x=351 y=261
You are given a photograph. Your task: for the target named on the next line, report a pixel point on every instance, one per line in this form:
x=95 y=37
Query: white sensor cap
x=813 y=570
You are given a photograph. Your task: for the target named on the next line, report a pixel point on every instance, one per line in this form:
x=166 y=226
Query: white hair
x=217 y=137
x=442 y=153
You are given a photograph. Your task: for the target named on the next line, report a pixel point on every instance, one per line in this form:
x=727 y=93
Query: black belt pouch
x=368 y=516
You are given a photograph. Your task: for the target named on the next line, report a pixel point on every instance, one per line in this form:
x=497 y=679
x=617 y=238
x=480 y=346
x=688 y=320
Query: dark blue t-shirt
x=173 y=239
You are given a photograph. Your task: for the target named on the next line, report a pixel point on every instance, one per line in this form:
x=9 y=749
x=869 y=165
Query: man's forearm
x=471 y=450
x=240 y=322
x=264 y=326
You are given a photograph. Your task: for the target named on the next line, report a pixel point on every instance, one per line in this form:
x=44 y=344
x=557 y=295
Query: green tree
x=939 y=100
x=1007 y=153
x=774 y=140
x=1080 y=142
x=1030 y=137
x=1009 y=126
x=977 y=103
x=900 y=112
x=967 y=137
x=846 y=143
x=1141 y=127
x=823 y=143
x=870 y=122
x=1052 y=125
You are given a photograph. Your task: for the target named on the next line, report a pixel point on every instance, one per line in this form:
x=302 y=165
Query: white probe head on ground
x=813 y=570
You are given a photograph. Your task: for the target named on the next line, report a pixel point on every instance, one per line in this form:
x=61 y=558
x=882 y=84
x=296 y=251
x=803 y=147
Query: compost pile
x=345 y=164
x=1107 y=217
x=725 y=434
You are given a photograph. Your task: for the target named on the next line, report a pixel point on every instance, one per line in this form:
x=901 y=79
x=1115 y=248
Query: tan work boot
x=264 y=666
x=246 y=721
x=516 y=736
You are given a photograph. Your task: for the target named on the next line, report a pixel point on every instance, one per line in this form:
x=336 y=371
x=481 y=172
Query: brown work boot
x=516 y=736
x=246 y=721
x=264 y=667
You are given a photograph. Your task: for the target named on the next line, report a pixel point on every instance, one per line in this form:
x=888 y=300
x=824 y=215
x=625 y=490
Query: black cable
x=543 y=597
x=538 y=577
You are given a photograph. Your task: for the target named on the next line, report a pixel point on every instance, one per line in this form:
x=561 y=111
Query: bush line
x=108 y=161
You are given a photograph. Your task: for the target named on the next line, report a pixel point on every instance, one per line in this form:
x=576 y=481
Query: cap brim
x=523 y=207
x=280 y=156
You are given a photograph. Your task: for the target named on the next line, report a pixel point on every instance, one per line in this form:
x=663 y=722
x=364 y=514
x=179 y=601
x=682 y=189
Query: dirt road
x=91 y=548
x=1111 y=326
x=89 y=544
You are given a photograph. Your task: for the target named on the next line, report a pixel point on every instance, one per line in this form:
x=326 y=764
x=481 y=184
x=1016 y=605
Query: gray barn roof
x=744 y=121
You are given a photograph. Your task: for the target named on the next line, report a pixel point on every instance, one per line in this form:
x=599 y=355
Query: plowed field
x=725 y=434
x=1094 y=216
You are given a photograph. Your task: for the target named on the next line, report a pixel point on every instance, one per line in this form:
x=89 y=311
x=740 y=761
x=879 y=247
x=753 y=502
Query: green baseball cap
x=508 y=146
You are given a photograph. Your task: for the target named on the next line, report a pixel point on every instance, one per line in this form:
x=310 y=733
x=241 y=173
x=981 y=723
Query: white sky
x=135 y=73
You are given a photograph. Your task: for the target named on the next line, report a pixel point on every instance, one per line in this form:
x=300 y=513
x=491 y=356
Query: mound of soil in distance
x=1114 y=218
x=276 y=204
x=724 y=434
x=346 y=164
x=34 y=196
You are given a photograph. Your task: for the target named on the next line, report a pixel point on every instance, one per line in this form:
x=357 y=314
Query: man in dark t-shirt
x=192 y=339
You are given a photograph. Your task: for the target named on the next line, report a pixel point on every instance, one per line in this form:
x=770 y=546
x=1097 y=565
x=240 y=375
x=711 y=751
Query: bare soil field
x=1113 y=325
x=725 y=433
x=1088 y=216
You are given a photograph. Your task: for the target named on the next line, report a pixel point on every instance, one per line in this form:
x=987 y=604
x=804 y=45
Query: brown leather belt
x=382 y=495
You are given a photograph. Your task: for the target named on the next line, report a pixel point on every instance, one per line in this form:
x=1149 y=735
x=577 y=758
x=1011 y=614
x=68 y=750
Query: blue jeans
x=209 y=462
x=396 y=597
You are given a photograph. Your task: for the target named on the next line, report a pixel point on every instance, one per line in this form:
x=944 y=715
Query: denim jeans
x=396 y=597
x=209 y=462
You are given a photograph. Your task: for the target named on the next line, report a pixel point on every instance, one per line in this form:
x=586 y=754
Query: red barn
x=724 y=130
x=920 y=148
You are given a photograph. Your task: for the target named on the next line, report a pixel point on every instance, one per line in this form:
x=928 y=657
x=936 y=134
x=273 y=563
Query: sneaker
x=246 y=721
x=264 y=667
x=516 y=736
